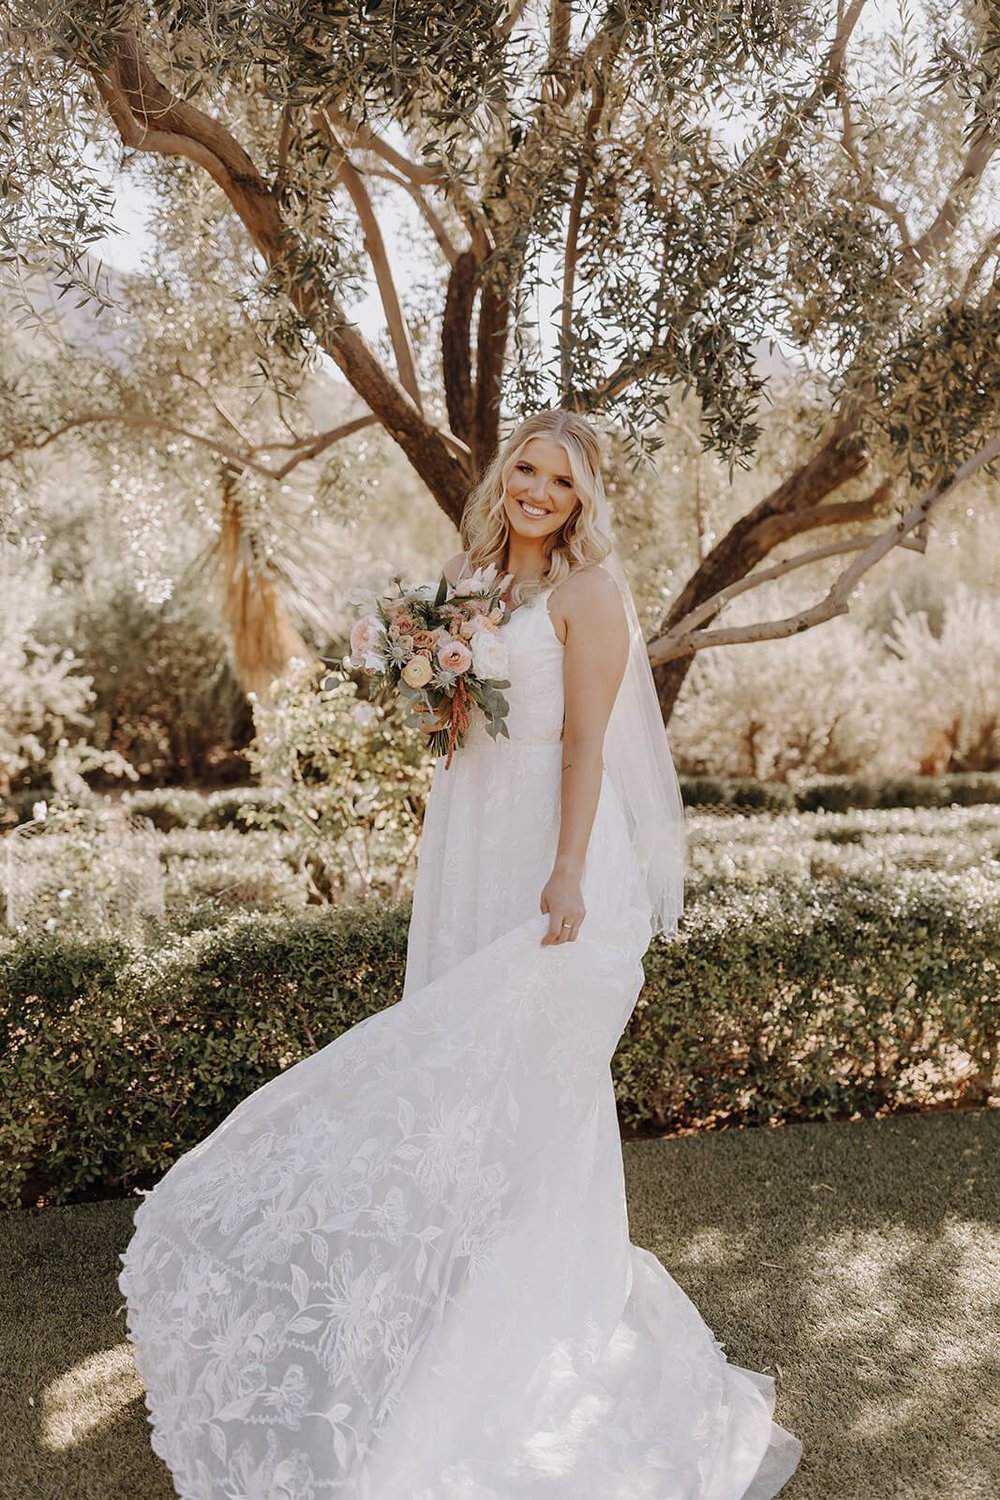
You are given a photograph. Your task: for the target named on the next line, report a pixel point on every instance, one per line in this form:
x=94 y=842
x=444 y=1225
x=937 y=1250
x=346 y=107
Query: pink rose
x=468 y=628
x=454 y=655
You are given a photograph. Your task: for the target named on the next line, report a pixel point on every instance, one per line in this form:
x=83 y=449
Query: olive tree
x=702 y=178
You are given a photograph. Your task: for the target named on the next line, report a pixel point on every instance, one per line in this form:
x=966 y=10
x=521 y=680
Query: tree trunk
x=840 y=458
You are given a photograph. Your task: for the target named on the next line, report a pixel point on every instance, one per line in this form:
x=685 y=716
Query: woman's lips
x=536 y=513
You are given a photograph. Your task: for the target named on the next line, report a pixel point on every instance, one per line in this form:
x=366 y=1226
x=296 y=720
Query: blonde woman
x=402 y=1270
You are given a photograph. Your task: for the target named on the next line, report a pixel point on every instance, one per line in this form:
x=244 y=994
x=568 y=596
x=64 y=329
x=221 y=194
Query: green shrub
x=172 y=808
x=237 y=807
x=117 y=1058
x=731 y=793
x=231 y=868
x=840 y=793
x=351 y=778
x=789 y=1001
x=778 y=1002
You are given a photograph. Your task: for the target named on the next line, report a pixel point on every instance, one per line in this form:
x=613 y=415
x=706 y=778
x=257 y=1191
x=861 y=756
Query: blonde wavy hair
x=580 y=540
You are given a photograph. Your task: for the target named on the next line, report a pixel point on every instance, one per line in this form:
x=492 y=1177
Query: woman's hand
x=563 y=901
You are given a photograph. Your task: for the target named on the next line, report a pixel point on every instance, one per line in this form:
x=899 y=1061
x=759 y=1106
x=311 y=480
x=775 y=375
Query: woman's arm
x=593 y=667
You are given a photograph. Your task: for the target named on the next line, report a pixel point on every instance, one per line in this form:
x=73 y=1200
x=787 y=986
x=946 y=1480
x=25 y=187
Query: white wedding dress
x=401 y=1270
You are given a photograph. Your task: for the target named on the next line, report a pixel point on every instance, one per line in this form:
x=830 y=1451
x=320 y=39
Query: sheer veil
x=638 y=761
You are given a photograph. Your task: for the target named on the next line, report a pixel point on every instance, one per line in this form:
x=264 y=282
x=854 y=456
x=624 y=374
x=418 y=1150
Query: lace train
x=402 y=1270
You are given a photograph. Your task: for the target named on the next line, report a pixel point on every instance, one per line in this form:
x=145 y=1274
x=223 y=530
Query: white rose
x=489 y=655
x=365 y=636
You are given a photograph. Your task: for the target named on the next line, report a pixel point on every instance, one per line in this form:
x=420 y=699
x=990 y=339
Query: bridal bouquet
x=441 y=649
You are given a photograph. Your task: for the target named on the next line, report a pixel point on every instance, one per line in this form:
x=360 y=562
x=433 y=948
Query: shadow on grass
x=75 y=1426
x=857 y=1262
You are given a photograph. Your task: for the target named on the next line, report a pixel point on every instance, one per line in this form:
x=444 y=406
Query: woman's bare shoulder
x=589 y=588
x=589 y=594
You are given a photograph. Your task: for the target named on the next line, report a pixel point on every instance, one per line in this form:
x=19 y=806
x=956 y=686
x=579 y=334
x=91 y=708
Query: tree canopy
x=696 y=181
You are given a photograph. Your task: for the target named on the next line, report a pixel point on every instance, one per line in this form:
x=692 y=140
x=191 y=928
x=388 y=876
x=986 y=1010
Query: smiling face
x=540 y=497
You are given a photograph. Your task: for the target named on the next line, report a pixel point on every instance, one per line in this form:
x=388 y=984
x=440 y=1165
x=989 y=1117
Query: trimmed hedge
x=779 y=1002
x=840 y=793
x=791 y=1001
x=866 y=843
x=170 y=808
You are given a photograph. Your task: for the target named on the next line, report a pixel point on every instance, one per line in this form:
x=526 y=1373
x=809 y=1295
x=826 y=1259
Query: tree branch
x=399 y=333
x=207 y=391
x=773 y=530
x=768 y=575
x=149 y=118
x=307 y=448
x=446 y=244
x=514 y=14
x=456 y=364
x=423 y=176
x=991 y=247
x=836 y=600
x=311 y=448
x=284 y=146
x=870 y=193
x=491 y=347
x=555 y=78
x=936 y=235
x=838 y=459
x=610 y=49
x=768 y=157
x=828 y=80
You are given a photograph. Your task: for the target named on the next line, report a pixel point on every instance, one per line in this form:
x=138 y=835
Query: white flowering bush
x=779 y=710
x=848 y=698
x=940 y=684
x=872 y=843
x=348 y=779
x=82 y=867
x=43 y=692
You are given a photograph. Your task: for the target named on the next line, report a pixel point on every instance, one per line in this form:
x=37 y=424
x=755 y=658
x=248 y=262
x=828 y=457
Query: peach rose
x=455 y=655
x=423 y=640
x=468 y=628
x=418 y=671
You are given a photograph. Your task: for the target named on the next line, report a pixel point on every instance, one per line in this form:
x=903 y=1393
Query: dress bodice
x=535 y=695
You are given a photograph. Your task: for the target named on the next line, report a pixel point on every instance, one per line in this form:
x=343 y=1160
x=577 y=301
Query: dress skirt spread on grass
x=402 y=1270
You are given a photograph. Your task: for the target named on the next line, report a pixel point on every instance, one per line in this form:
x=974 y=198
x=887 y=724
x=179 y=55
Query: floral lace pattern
x=401 y=1270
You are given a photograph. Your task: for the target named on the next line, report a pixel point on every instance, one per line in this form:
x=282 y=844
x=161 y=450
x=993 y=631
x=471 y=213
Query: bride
x=401 y=1270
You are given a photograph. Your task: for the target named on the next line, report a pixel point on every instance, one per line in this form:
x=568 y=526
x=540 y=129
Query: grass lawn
x=859 y=1262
